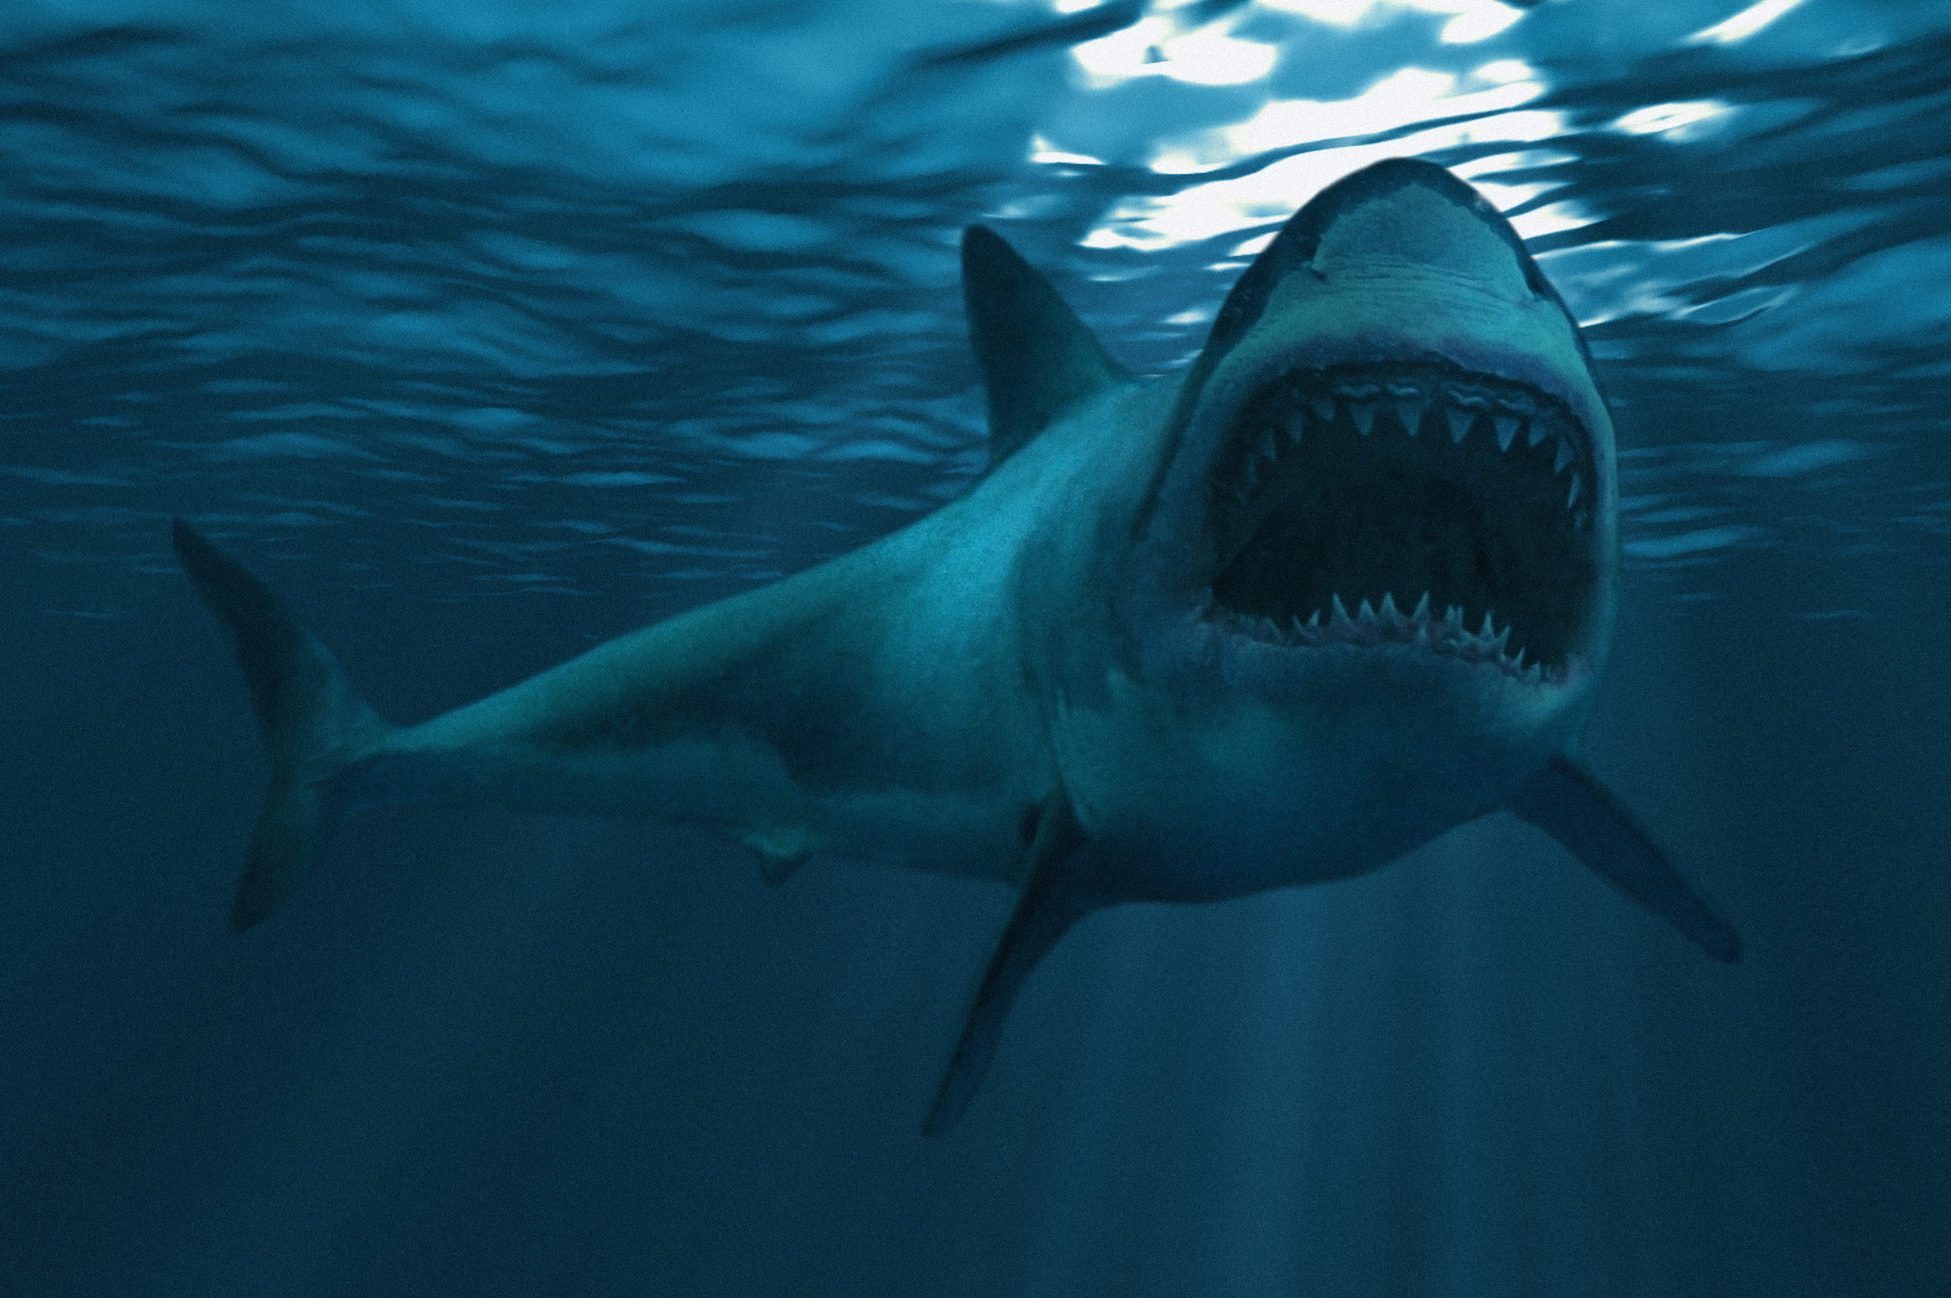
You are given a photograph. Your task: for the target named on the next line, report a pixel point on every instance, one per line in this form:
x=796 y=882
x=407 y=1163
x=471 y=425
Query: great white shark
x=1344 y=584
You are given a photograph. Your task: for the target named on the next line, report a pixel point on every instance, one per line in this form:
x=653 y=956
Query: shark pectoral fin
x=1569 y=803
x=1037 y=357
x=1053 y=899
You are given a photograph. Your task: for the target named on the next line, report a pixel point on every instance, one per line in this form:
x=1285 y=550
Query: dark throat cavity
x=1411 y=506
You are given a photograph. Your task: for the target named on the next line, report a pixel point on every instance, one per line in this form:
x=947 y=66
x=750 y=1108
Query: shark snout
x=1393 y=444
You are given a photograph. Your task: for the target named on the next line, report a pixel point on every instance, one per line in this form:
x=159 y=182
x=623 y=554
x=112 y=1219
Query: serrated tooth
x=1421 y=613
x=1564 y=456
x=1488 y=629
x=1518 y=662
x=1506 y=426
x=1314 y=621
x=1539 y=431
x=1366 y=611
x=1536 y=670
x=1410 y=412
x=1296 y=426
x=1460 y=421
x=1322 y=406
x=1503 y=638
x=1364 y=415
x=1389 y=606
x=1453 y=618
x=1571 y=496
x=1268 y=445
x=1340 y=610
x=1294 y=629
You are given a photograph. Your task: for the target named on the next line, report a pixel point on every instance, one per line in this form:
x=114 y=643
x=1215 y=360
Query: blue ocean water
x=489 y=331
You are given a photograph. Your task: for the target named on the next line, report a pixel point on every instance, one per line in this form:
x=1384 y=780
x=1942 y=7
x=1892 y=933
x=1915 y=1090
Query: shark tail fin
x=314 y=723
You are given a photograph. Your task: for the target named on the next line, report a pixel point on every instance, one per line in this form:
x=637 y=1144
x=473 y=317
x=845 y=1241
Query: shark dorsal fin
x=1037 y=357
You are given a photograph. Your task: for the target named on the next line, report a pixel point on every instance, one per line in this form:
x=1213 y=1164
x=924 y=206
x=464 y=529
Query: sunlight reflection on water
x=511 y=273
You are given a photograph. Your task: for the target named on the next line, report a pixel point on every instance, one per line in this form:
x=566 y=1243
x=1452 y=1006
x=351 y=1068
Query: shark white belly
x=1346 y=583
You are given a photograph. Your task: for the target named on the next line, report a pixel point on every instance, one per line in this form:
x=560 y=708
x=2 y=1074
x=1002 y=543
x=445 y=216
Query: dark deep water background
x=488 y=331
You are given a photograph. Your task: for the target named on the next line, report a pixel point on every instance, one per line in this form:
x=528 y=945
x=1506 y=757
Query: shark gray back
x=1344 y=584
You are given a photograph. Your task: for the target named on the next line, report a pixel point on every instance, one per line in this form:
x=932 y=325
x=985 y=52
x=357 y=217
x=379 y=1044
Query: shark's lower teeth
x=1445 y=632
x=1405 y=480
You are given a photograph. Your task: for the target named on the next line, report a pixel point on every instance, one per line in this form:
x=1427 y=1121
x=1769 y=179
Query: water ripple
x=681 y=292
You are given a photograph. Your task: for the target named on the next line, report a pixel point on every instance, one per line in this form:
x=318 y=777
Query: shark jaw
x=1413 y=509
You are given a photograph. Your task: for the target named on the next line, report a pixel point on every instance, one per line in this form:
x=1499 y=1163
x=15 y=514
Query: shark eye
x=1413 y=505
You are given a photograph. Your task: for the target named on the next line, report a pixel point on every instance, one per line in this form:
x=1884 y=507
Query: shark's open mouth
x=1414 y=505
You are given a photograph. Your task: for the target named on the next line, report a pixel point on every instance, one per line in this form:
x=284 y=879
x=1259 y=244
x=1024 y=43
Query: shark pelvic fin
x=1037 y=357
x=777 y=862
x=1569 y=803
x=1053 y=900
x=313 y=722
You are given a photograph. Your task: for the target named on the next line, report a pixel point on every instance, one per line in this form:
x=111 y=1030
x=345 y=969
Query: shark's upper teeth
x=1467 y=412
